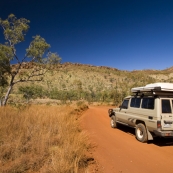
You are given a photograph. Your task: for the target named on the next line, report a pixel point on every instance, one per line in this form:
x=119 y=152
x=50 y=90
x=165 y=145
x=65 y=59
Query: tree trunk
x=7 y=95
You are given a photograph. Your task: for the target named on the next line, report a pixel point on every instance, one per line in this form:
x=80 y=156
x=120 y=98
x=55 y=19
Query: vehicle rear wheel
x=113 y=121
x=141 y=133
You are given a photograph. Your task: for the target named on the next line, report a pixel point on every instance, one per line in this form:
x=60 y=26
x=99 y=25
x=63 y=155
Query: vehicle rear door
x=166 y=114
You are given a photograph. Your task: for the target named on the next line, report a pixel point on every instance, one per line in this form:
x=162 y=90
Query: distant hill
x=93 y=83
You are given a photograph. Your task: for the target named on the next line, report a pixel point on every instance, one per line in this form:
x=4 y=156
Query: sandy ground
x=118 y=151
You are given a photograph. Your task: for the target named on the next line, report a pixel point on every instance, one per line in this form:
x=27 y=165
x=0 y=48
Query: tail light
x=159 y=126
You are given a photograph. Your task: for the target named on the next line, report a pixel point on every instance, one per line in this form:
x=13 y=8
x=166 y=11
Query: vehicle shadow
x=126 y=129
x=161 y=142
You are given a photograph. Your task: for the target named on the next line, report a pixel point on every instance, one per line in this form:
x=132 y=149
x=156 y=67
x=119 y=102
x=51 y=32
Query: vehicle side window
x=166 y=106
x=148 y=103
x=135 y=102
x=125 y=104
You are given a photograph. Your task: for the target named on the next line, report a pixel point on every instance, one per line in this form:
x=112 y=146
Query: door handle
x=150 y=117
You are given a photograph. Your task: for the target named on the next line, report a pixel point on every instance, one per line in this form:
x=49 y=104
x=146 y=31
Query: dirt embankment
x=117 y=150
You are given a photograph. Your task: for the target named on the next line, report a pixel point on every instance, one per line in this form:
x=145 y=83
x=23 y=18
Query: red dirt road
x=118 y=151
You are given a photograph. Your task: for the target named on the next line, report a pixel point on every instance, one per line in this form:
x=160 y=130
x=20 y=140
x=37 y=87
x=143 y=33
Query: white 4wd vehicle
x=149 y=110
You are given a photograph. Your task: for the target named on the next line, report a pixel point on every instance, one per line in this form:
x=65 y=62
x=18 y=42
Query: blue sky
x=124 y=34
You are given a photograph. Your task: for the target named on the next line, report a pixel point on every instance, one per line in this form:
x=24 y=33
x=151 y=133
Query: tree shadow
x=159 y=141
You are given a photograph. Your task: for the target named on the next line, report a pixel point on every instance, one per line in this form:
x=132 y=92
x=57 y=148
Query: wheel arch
x=150 y=136
x=140 y=121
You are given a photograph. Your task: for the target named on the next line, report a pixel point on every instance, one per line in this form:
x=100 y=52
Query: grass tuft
x=41 y=139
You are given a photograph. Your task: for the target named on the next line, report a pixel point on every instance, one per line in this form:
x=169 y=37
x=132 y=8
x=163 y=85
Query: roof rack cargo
x=154 y=87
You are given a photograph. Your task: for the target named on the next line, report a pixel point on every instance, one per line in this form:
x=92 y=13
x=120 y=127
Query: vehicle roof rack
x=154 y=87
x=152 y=93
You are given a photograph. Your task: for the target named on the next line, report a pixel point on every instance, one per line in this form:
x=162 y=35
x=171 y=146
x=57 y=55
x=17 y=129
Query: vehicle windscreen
x=125 y=104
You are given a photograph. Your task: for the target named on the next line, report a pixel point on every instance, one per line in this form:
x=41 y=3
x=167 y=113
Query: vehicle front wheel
x=141 y=133
x=113 y=121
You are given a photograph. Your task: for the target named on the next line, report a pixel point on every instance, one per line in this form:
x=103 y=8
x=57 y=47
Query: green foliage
x=53 y=58
x=14 y=31
x=37 y=49
x=6 y=55
x=31 y=92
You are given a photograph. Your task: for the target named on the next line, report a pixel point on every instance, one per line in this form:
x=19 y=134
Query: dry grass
x=41 y=139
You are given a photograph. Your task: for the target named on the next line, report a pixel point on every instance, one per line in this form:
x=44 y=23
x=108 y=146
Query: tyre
x=141 y=133
x=113 y=121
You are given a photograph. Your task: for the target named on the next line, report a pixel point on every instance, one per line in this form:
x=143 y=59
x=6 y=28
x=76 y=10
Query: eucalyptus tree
x=14 y=31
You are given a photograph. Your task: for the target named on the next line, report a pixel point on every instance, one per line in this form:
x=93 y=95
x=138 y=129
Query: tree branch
x=32 y=75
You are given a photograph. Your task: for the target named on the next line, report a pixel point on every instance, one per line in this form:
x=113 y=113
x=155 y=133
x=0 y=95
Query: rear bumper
x=163 y=133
